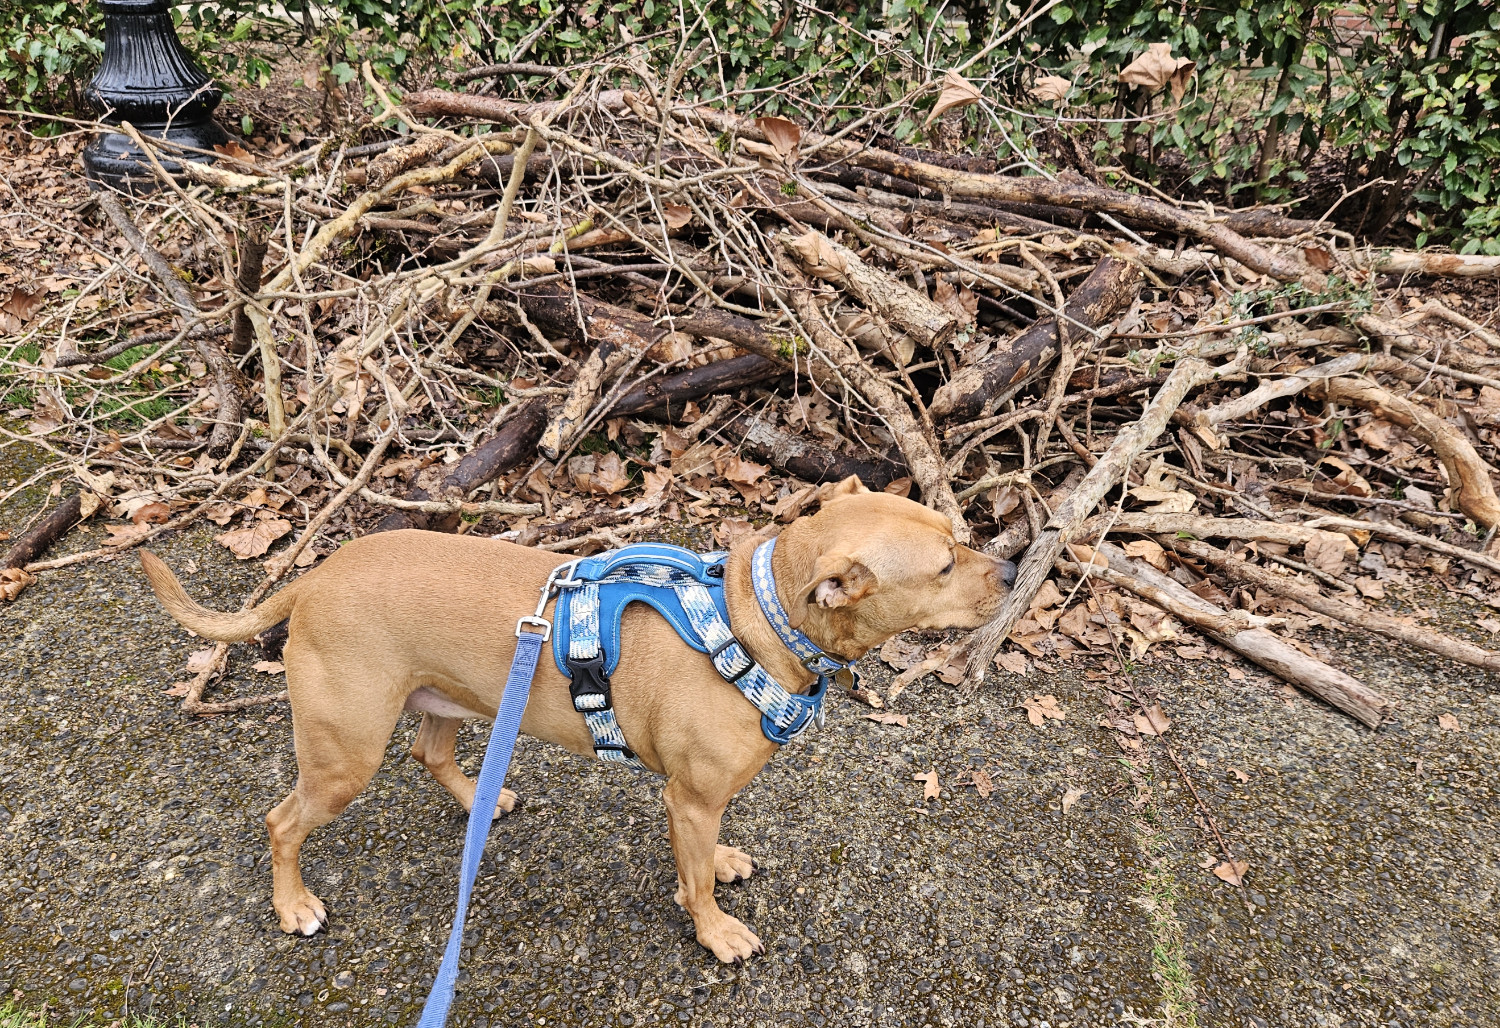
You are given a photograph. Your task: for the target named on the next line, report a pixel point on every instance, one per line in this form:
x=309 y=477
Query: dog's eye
x=951 y=562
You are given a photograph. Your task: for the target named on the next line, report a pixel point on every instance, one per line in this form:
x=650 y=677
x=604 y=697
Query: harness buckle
x=742 y=672
x=590 y=685
x=536 y=621
x=814 y=666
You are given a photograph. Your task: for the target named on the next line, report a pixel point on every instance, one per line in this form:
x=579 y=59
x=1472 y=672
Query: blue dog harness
x=688 y=591
x=592 y=594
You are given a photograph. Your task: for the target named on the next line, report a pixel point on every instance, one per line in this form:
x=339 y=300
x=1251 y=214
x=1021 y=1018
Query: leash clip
x=550 y=589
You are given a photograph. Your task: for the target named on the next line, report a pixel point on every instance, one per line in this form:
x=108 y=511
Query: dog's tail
x=211 y=624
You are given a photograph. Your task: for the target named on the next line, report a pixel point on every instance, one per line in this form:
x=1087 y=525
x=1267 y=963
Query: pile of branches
x=570 y=321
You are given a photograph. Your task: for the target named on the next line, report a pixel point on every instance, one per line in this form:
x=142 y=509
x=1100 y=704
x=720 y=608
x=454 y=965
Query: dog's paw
x=730 y=940
x=731 y=865
x=509 y=801
x=304 y=915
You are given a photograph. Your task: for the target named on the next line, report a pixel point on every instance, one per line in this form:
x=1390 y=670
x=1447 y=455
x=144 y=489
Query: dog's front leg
x=694 y=822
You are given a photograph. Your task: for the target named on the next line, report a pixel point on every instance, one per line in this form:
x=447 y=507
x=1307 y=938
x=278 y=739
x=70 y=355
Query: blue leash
x=487 y=793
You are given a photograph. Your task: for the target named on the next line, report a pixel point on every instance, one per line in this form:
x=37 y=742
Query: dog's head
x=868 y=566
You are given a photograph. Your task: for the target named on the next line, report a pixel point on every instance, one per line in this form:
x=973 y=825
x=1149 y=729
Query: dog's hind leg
x=434 y=747
x=336 y=757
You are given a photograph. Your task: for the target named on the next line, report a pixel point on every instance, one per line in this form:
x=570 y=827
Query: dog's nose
x=1007 y=571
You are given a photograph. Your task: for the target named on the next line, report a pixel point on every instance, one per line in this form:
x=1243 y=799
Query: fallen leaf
x=899 y=486
x=730 y=530
x=1040 y=708
x=1013 y=662
x=1153 y=722
x=1157 y=67
x=200 y=660
x=13 y=581
x=957 y=93
x=1239 y=774
x=930 y=790
x=1318 y=257
x=657 y=481
x=126 y=535
x=234 y=149
x=1148 y=550
x=1486 y=411
x=1071 y=797
x=151 y=513
x=269 y=667
x=1370 y=588
x=1049 y=595
x=307 y=558
x=888 y=717
x=785 y=136
x=1232 y=872
x=676 y=215
x=177 y=689
x=254 y=539
x=1235 y=674
x=1325 y=552
x=19 y=308
x=982 y=783
x=1051 y=88
x=1448 y=723
x=1490 y=625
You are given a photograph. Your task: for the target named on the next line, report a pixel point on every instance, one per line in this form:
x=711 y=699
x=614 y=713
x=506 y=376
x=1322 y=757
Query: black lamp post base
x=112 y=159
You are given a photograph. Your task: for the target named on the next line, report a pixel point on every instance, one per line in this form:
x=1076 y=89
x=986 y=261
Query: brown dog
x=422 y=621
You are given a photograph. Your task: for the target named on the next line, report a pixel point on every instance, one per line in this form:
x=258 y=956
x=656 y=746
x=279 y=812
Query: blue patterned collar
x=804 y=649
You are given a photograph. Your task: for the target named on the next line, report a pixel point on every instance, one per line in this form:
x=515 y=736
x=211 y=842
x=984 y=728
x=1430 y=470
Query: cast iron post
x=149 y=80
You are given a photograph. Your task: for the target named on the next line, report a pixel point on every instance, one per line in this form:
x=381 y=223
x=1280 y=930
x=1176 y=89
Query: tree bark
x=52 y=528
x=1109 y=289
x=900 y=306
x=696 y=383
x=809 y=461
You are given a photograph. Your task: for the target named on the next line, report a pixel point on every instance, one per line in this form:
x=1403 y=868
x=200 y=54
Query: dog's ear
x=837 y=581
x=850 y=486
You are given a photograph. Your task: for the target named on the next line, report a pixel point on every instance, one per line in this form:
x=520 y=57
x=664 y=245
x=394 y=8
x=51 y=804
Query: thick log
x=1282 y=659
x=560 y=311
x=696 y=383
x=809 y=461
x=899 y=305
x=510 y=112
x=1109 y=289
x=252 y=259
x=52 y=528
x=513 y=443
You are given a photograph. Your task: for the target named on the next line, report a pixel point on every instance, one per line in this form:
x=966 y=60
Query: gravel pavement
x=134 y=873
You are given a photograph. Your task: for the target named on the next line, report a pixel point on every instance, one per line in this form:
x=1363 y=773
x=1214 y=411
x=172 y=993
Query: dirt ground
x=134 y=871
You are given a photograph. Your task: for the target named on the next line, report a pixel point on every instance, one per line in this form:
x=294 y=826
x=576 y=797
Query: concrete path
x=134 y=870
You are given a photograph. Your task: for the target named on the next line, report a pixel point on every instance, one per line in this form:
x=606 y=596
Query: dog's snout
x=1006 y=571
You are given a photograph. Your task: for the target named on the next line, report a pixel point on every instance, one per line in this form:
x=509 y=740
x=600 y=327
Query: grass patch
x=1169 y=966
x=12 y=1016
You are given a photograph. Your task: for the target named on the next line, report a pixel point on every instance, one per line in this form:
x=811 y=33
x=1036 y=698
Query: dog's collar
x=807 y=652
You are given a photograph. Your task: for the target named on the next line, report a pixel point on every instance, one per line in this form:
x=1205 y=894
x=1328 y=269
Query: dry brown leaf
x=785 y=136
x=1448 y=723
x=1235 y=674
x=728 y=531
x=1148 y=550
x=657 y=481
x=1010 y=660
x=232 y=148
x=676 y=215
x=1325 y=551
x=1490 y=625
x=1040 y=708
x=1051 y=88
x=1049 y=595
x=899 y=486
x=1157 y=67
x=982 y=783
x=1318 y=257
x=269 y=667
x=151 y=513
x=888 y=717
x=177 y=689
x=1486 y=411
x=1232 y=872
x=740 y=471
x=126 y=535
x=957 y=93
x=1071 y=797
x=19 y=308
x=1347 y=481
x=930 y=788
x=254 y=539
x=789 y=508
x=1153 y=722
x=1370 y=588
x=13 y=581
x=200 y=660
x=1239 y=774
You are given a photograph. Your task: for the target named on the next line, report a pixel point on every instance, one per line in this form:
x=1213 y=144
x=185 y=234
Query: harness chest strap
x=688 y=591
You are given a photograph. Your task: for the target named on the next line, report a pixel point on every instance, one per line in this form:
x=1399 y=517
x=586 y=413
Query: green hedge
x=1409 y=98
